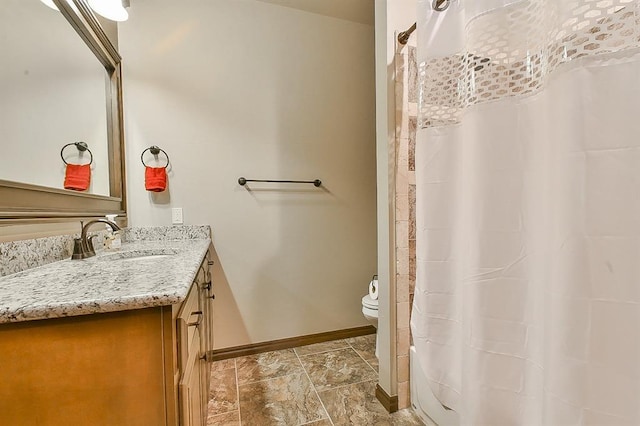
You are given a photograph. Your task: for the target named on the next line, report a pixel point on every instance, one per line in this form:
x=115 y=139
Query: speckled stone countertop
x=104 y=283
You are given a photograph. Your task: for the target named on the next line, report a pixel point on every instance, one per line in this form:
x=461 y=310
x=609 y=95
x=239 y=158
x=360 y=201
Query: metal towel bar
x=242 y=181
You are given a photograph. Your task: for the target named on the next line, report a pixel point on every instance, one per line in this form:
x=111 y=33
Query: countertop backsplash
x=18 y=256
x=166 y=233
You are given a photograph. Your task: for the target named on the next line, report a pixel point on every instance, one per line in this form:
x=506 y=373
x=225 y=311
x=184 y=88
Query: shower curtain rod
x=403 y=37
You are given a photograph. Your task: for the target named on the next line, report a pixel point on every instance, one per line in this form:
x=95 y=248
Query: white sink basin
x=138 y=255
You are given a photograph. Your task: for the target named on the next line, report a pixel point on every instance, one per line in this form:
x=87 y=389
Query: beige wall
x=247 y=88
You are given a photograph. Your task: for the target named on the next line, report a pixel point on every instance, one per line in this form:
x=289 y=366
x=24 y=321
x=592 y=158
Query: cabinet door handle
x=206 y=286
x=210 y=263
x=213 y=296
x=196 y=323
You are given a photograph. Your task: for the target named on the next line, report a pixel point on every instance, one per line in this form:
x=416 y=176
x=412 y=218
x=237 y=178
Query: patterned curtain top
x=512 y=50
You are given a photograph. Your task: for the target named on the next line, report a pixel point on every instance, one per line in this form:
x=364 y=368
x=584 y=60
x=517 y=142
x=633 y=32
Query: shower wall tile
x=402 y=344
x=403 y=309
x=403 y=368
x=403 y=154
x=412 y=78
x=402 y=261
x=402 y=207
x=404 y=395
x=402 y=182
x=412 y=260
x=402 y=233
x=402 y=288
x=404 y=151
x=400 y=116
x=412 y=211
x=412 y=286
x=413 y=123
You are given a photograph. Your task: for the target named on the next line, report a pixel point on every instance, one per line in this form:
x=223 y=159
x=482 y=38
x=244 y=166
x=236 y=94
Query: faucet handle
x=90 y=250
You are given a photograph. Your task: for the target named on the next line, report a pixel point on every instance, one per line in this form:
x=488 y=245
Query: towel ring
x=82 y=147
x=155 y=151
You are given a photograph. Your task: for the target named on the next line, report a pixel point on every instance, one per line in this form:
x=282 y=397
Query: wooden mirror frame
x=22 y=203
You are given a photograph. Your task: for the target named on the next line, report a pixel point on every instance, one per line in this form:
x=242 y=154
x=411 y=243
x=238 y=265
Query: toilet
x=370 y=311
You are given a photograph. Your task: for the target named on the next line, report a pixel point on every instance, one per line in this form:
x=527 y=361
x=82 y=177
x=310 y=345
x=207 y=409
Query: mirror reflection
x=53 y=94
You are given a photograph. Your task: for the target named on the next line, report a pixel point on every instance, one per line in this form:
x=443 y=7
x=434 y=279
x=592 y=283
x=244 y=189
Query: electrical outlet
x=176 y=216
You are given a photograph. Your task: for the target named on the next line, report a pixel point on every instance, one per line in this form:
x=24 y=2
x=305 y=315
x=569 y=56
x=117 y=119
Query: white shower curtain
x=527 y=300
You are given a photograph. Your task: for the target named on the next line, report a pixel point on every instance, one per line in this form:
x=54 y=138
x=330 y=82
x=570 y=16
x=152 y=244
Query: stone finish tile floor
x=324 y=384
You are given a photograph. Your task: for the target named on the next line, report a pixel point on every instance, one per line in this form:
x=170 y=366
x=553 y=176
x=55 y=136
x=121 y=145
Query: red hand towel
x=77 y=177
x=155 y=179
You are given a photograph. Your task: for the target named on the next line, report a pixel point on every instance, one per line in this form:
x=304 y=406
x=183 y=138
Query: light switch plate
x=176 y=216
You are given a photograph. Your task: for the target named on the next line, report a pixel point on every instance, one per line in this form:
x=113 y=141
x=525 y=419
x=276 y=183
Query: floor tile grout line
x=211 y=385
x=324 y=352
x=349 y=384
x=314 y=390
x=368 y=363
x=313 y=421
x=362 y=381
x=361 y=357
x=348 y=346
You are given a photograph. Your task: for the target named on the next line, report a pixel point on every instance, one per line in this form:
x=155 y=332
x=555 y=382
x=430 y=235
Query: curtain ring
x=440 y=5
x=155 y=151
x=82 y=147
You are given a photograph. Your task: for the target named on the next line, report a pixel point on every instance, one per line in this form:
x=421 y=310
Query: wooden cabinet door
x=190 y=388
x=207 y=319
x=205 y=286
x=207 y=296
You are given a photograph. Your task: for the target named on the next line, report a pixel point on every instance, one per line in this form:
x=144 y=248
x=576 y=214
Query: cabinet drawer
x=189 y=319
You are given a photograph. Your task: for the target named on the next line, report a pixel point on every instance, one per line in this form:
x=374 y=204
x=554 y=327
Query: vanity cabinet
x=132 y=367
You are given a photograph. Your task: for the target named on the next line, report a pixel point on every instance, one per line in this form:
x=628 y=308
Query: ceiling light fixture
x=51 y=4
x=110 y=9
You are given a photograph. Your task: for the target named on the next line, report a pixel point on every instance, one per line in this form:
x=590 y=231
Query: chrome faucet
x=83 y=246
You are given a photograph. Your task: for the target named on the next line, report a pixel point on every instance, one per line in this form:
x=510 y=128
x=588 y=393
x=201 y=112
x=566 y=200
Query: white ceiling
x=352 y=10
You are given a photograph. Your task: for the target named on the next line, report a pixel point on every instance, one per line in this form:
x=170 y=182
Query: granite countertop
x=103 y=283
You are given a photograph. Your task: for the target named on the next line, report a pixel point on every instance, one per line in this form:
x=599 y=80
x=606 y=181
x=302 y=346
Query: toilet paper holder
x=373 y=288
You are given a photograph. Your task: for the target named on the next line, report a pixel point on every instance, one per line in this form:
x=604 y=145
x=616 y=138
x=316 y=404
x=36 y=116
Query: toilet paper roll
x=373 y=289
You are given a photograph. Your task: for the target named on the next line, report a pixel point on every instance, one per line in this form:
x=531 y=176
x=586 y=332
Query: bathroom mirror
x=61 y=83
